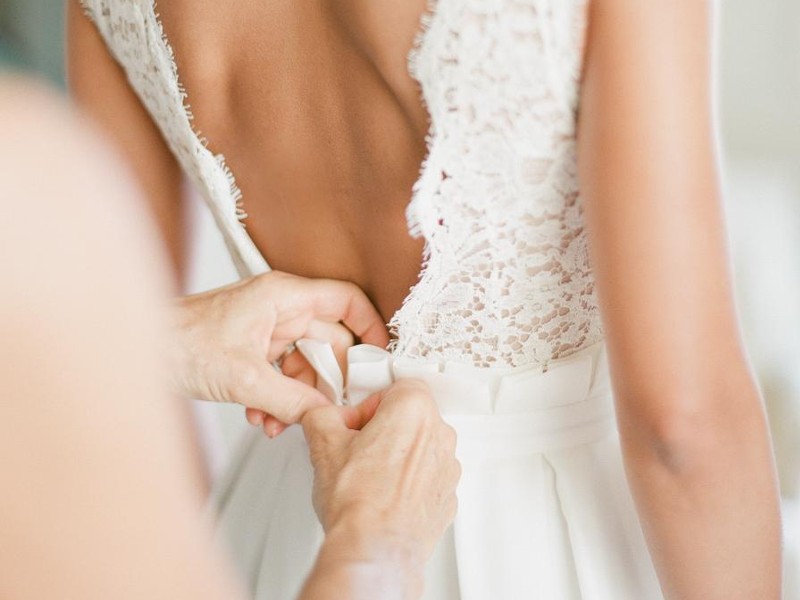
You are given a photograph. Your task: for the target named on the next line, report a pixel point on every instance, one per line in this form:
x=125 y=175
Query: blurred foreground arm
x=99 y=500
x=694 y=434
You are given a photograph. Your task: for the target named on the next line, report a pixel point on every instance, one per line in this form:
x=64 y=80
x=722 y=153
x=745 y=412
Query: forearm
x=357 y=564
x=708 y=502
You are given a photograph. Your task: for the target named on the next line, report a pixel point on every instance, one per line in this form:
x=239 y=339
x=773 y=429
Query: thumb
x=356 y=417
x=285 y=398
x=334 y=419
x=328 y=422
x=346 y=417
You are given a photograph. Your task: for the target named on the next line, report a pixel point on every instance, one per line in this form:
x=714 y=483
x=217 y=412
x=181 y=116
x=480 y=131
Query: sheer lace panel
x=507 y=279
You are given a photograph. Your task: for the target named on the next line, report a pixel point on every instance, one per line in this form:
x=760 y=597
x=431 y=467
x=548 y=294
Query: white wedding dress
x=503 y=323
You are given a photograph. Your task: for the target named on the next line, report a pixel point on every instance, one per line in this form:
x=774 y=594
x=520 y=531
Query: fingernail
x=271 y=430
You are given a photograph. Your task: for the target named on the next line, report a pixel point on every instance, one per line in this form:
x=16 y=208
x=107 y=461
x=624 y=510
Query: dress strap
x=136 y=39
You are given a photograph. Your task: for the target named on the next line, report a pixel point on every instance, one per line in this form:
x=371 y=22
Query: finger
x=328 y=420
x=406 y=408
x=408 y=395
x=345 y=417
x=273 y=427
x=297 y=367
x=357 y=417
x=282 y=397
x=255 y=417
x=344 y=301
x=331 y=419
x=337 y=335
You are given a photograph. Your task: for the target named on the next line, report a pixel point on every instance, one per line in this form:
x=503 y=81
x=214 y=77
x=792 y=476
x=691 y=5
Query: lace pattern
x=506 y=279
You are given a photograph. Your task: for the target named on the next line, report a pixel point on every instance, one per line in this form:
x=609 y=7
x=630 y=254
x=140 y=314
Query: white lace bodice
x=506 y=279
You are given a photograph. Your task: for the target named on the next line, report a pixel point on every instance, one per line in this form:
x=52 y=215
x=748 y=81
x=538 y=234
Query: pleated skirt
x=545 y=511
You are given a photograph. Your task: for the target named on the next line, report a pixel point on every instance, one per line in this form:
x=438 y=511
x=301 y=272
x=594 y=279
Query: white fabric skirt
x=544 y=507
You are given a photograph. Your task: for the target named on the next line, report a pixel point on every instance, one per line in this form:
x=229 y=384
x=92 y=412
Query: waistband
x=495 y=410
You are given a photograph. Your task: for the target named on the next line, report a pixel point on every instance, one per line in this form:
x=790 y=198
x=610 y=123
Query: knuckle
x=248 y=387
x=414 y=394
x=313 y=422
x=412 y=412
x=411 y=384
x=349 y=288
x=274 y=275
x=344 y=337
x=249 y=376
x=311 y=419
x=316 y=416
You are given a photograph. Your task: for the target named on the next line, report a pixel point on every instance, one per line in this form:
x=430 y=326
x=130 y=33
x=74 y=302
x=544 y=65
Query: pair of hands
x=385 y=471
x=228 y=337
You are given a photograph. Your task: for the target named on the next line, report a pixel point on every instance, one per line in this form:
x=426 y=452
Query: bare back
x=323 y=128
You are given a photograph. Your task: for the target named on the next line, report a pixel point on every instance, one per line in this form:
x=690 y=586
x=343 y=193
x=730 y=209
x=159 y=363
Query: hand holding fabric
x=228 y=337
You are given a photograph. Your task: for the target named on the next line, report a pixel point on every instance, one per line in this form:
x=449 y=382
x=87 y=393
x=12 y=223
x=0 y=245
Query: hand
x=385 y=471
x=228 y=337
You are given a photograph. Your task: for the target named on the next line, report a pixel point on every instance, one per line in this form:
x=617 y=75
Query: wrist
x=181 y=345
x=386 y=563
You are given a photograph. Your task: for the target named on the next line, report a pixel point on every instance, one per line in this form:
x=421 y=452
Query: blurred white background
x=759 y=85
x=759 y=116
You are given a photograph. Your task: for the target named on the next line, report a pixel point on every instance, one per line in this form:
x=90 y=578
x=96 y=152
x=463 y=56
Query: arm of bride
x=99 y=87
x=692 y=424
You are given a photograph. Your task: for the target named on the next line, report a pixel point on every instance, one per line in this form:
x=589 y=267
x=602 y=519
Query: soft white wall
x=760 y=77
x=759 y=84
